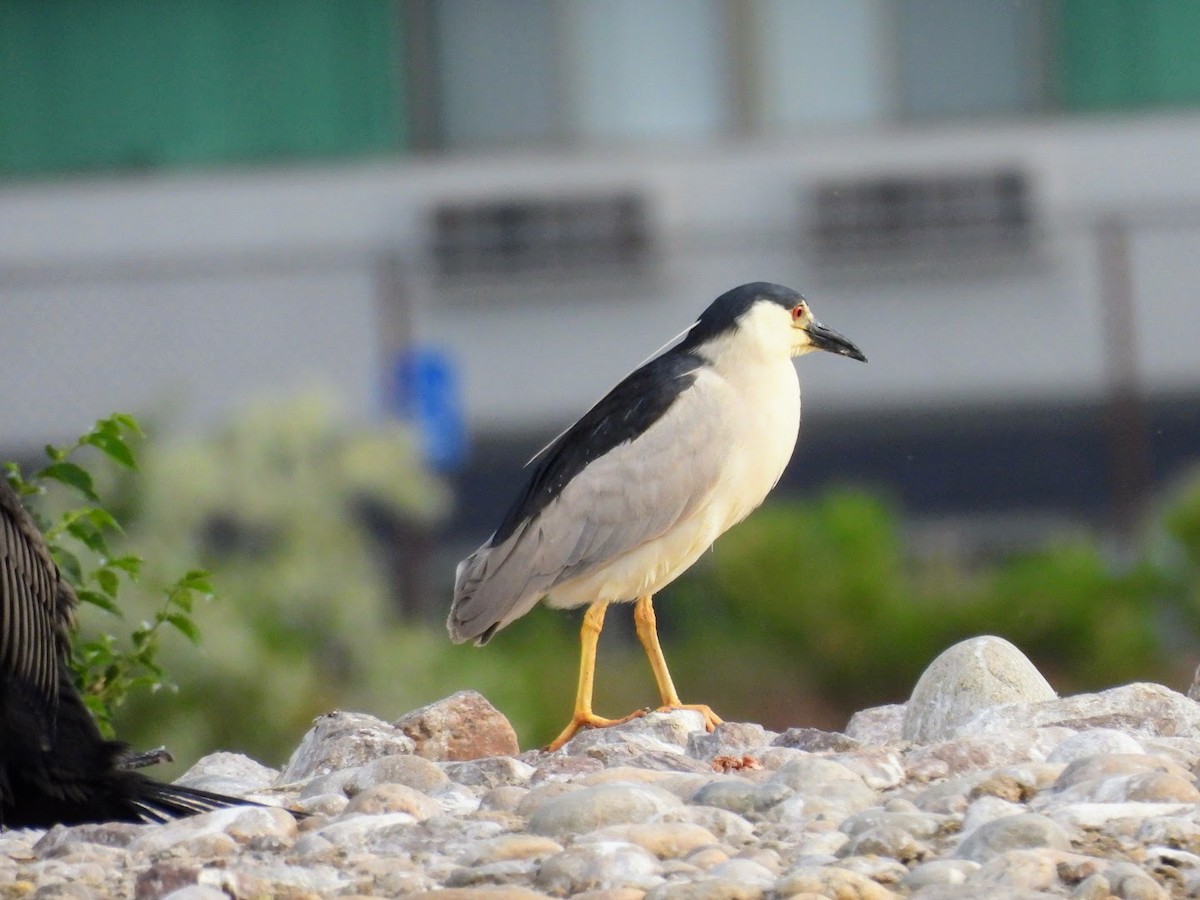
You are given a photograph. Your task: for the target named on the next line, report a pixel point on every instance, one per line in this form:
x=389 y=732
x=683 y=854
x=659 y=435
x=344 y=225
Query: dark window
x=913 y=217
x=532 y=236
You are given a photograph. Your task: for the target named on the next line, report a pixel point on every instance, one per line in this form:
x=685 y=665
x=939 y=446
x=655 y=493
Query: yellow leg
x=647 y=632
x=583 y=717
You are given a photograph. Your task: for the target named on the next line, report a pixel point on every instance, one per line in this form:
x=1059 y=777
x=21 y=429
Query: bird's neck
x=741 y=358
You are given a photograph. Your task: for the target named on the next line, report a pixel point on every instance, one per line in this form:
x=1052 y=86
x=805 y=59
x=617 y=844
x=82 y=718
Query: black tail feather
x=154 y=802
x=69 y=774
x=55 y=765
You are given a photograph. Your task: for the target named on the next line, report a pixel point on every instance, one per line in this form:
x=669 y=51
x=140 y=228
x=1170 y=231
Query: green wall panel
x=1130 y=53
x=121 y=84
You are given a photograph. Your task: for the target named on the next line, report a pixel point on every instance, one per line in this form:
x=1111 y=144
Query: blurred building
x=999 y=201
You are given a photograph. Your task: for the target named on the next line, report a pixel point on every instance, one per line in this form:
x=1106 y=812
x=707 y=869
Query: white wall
x=195 y=292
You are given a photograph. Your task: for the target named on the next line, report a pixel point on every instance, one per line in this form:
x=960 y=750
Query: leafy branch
x=78 y=538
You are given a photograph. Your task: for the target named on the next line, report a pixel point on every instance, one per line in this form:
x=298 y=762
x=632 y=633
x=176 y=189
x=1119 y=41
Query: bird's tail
x=153 y=801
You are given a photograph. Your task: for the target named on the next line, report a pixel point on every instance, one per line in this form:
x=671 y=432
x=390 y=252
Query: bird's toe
x=711 y=719
x=584 y=719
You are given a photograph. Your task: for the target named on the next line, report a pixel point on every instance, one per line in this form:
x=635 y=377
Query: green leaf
x=100 y=599
x=87 y=535
x=101 y=518
x=131 y=565
x=68 y=563
x=108 y=581
x=12 y=474
x=180 y=598
x=185 y=626
x=113 y=447
x=71 y=475
x=107 y=669
x=127 y=422
x=196 y=580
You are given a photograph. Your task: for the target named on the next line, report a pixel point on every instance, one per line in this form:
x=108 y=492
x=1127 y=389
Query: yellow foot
x=588 y=720
x=711 y=719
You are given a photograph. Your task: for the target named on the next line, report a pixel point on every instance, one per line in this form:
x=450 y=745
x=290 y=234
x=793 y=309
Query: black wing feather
x=630 y=408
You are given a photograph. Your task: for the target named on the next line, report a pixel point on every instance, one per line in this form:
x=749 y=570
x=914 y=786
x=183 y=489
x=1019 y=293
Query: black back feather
x=625 y=412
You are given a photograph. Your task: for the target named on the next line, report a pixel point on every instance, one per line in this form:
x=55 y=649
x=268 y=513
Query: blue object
x=424 y=390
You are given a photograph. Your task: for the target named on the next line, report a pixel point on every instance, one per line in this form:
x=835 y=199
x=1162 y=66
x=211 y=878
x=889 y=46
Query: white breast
x=766 y=398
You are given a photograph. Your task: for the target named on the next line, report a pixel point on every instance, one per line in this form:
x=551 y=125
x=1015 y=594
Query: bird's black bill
x=827 y=339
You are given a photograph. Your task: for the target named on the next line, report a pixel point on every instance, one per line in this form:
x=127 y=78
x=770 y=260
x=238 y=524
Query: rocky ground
x=984 y=785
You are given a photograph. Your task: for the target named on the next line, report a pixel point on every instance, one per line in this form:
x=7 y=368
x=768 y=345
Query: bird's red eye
x=797 y=312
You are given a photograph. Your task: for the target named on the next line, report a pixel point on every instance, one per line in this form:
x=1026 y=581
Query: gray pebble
x=331 y=783
x=744 y=871
x=807 y=774
x=1094 y=887
x=915 y=822
x=940 y=872
x=727 y=827
x=832 y=801
x=813 y=740
x=1144 y=709
x=826 y=845
x=969 y=677
x=729 y=739
x=830 y=881
x=655 y=731
x=228 y=773
x=889 y=841
x=988 y=809
x=508 y=871
x=328 y=805
x=343 y=740
x=1026 y=830
x=544 y=793
x=1125 y=777
x=509 y=847
x=879 y=769
x=1130 y=883
x=557 y=767
x=706 y=889
x=489 y=772
x=1018 y=870
x=262 y=828
x=644 y=812
x=356 y=833
x=392 y=798
x=740 y=796
x=878 y=725
x=598 y=867
x=1093 y=742
x=197 y=892
x=506 y=797
x=666 y=840
x=595 y=807
x=414 y=771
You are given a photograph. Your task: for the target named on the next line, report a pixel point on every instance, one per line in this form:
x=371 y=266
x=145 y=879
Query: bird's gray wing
x=633 y=494
x=35 y=604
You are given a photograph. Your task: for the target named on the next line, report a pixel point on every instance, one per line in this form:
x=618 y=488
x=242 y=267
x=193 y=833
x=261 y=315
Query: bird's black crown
x=722 y=314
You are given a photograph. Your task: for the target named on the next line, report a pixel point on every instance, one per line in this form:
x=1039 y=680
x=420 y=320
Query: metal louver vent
x=914 y=218
x=532 y=236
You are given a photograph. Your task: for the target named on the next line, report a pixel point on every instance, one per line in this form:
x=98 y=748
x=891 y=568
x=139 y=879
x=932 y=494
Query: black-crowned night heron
x=632 y=494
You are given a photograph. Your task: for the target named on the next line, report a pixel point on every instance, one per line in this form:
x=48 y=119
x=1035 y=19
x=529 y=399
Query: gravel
x=997 y=792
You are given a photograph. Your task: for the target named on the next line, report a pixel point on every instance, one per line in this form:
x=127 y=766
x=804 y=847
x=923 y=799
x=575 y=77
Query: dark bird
x=55 y=766
x=627 y=498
